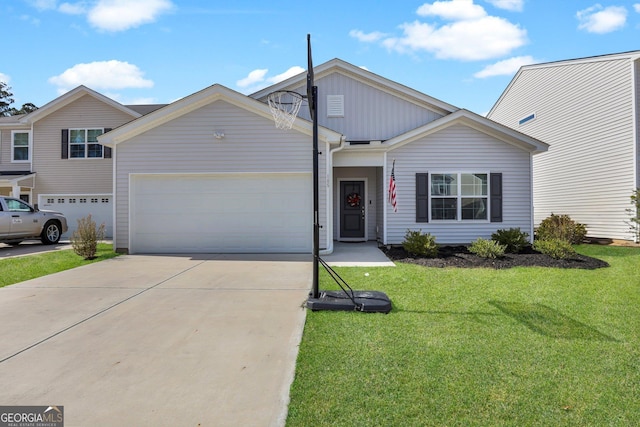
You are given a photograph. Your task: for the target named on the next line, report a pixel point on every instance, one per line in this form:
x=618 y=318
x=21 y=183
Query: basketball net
x=284 y=106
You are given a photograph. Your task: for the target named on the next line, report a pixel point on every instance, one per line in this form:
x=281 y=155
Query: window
x=20 y=146
x=83 y=143
x=527 y=119
x=17 y=206
x=458 y=197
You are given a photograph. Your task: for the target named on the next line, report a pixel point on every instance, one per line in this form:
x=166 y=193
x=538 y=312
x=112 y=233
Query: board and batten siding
x=370 y=114
x=585 y=112
x=73 y=176
x=251 y=144
x=458 y=148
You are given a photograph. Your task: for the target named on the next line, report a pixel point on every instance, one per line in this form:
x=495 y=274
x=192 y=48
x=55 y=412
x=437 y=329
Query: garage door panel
x=221 y=213
x=77 y=206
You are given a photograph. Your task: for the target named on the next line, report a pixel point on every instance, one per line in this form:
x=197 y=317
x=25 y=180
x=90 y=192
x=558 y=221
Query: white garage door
x=77 y=206
x=229 y=213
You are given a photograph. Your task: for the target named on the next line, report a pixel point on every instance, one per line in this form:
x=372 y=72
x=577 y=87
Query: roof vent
x=335 y=105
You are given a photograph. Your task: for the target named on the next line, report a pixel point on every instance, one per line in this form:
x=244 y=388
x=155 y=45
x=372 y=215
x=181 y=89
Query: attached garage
x=221 y=213
x=77 y=206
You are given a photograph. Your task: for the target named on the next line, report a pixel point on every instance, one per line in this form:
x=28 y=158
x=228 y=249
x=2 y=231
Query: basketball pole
x=313 y=104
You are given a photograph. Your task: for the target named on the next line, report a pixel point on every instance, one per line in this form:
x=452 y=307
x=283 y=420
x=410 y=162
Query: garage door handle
x=15 y=216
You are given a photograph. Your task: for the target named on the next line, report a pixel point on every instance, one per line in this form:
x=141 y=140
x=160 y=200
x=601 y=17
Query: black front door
x=352 y=209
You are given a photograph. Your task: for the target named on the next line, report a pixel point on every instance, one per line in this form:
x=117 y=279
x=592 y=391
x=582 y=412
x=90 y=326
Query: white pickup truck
x=19 y=221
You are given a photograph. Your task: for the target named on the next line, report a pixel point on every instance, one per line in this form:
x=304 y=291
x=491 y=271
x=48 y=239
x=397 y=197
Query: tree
x=6 y=99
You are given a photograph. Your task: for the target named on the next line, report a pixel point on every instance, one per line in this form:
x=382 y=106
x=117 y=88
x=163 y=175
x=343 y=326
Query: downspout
x=330 y=196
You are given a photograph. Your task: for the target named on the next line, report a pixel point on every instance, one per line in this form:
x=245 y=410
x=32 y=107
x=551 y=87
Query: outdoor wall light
x=218 y=134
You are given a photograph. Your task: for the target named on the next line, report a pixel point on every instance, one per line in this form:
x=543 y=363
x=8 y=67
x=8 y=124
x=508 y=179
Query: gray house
x=211 y=173
x=587 y=111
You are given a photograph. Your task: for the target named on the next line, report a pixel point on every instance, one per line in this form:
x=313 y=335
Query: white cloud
x=293 y=71
x=455 y=10
x=254 y=77
x=257 y=79
x=467 y=40
x=468 y=34
x=599 y=20
x=512 y=5
x=504 y=67
x=367 y=37
x=5 y=78
x=636 y=7
x=101 y=75
x=73 y=8
x=120 y=15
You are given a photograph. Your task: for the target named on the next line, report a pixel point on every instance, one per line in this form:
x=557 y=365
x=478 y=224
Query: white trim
x=458 y=197
x=338 y=197
x=29 y=146
x=635 y=90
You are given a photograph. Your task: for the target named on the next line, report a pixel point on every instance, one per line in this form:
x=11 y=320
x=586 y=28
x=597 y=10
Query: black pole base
x=365 y=301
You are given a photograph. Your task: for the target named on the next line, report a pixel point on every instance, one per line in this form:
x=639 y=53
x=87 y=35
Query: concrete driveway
x=157 y=340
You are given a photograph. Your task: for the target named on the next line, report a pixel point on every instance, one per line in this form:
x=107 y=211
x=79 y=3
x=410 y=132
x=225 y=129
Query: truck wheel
x=51 y=233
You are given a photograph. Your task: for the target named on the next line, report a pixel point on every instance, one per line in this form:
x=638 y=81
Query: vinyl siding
x=370 y=113
x=459 y=148
x=73 y=176
x=186 y=145
x=585 y=112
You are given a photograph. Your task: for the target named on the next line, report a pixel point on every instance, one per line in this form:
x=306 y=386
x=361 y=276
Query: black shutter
x=65 y=144
x=106 y=150
x=496 y=197
x=422 y=197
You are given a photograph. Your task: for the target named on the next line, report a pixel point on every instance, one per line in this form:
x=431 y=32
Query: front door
x=352 y=209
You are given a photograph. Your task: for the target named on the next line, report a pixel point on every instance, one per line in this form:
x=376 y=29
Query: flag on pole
x=392 y=188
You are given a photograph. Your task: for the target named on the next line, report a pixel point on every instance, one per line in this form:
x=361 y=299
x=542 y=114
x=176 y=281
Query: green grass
x=19 y=269
x=478 y=347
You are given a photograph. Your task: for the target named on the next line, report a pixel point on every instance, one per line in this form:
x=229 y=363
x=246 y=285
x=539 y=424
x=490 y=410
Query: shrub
x=420 y=244
x=85 y=238
x=634 y=221
x=487 y=248
x=561 y=227
x=555 y=248
x=514 y=240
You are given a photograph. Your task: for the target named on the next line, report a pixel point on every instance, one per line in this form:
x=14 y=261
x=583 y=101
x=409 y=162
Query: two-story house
x=587 y=110
x=51 y=157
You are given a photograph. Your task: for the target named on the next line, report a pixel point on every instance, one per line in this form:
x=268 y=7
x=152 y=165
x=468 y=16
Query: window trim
x=86 y=142
x=13 y=146
x=459 y=196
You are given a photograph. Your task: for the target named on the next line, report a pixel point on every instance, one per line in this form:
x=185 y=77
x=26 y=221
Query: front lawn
x=478 y=347
x=14 y=270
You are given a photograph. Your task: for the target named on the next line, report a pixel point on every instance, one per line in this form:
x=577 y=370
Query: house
x=51 y=158
x=587 y=110
x=211 y=173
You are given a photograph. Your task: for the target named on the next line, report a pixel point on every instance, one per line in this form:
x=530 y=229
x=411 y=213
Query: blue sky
x=463 y=52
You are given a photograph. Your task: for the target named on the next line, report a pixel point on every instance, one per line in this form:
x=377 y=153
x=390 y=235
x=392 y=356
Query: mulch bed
x=459 y=256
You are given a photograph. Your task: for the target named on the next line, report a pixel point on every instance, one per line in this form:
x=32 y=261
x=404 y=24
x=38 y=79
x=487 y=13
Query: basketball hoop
x=284 y=106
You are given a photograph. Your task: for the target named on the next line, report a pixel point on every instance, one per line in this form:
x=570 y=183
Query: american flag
x=392 y=188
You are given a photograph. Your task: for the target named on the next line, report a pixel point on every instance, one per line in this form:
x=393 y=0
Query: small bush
x=487 y=248
x=420 y=244
x=561 y=227
x=85 y=238
x=514 y=240
x=555 y=248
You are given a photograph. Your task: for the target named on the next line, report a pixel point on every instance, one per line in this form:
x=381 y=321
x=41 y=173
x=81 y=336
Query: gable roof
x=197 y=100
x=367 y=77
x=70 y=97
x=631 y=55
x=475 y=121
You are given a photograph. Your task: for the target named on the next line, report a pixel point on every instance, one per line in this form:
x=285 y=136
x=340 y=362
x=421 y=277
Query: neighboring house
x=211 y=172
x=51 y=158
x=587 y=109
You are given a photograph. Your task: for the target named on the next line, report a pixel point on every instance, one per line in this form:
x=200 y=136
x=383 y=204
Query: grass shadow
x=549 y=322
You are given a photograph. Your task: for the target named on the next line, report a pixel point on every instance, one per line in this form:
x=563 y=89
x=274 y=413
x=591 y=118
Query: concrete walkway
x=157 y=340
